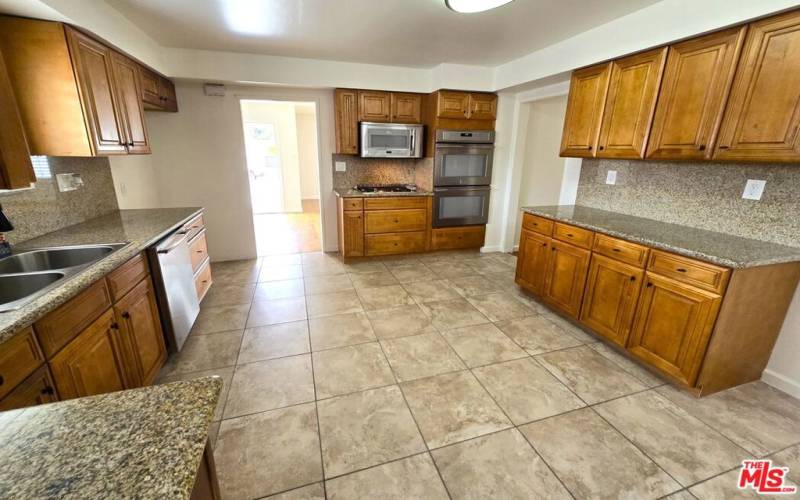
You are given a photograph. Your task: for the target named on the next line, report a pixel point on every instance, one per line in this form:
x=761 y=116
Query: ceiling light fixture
x=471 y=6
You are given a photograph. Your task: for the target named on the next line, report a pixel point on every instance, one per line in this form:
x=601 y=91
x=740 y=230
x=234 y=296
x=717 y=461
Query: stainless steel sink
x=16 y=287
x=28 y=275
x=48 y=259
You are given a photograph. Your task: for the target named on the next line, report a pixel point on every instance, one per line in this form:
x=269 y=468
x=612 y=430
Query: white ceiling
x=417 y=33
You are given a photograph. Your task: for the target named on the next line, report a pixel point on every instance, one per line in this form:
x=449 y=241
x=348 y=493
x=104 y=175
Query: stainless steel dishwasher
x=174 y=282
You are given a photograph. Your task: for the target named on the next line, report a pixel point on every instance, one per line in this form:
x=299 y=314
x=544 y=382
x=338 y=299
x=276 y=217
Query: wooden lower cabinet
x=93 y=363
x=140 y=327
x=457 y=238
x=565 y=276
x=351 y=234
x=612 y=291
x=395 y=243
x=37 y=389
x=534 y=250
x=673 y=325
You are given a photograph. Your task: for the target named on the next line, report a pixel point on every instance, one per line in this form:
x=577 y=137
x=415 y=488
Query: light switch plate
x=341 y=166
x=611 y=177
x=754 y=189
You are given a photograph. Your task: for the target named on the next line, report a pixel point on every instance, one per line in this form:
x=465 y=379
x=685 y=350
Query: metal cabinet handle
x=633 y=278
x=48 y=390
x=681 y=270
x=649 y=285
x=701 y=147
x=114 y=326
x=602 y=148
x=2 y=380
x=126 y=315
x=616 y=250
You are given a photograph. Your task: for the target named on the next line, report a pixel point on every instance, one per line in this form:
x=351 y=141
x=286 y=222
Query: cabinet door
x=630 y=104
x=37 y=389
x=16 y=169
x=672 y=327
x=532 y=261
x=149 y=84
x=587 y=97
x=93 y=363
x=137 y=315
x=374 y=106
x=406 y=108
x=697 y=79
x=129 y=89
x=93 y=69
x=565 y=277
x=482 y=106
x=452 y=105
x=351 y=238
x=762 y=119
x=168 y=95
x=346 y=109
x=609 y=303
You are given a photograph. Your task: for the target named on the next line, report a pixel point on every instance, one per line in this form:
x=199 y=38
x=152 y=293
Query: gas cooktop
x=389 y=188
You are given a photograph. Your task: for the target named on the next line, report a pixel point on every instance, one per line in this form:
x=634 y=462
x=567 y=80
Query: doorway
x=280 y=139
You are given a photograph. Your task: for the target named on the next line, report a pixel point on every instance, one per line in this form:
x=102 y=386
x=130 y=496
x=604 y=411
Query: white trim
x=553 y=90
x=781 y=382
x=491 y=248
x=519 y=131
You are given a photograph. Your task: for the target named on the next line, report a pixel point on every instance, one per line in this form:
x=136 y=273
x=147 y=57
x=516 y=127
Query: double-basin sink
x=27 y=275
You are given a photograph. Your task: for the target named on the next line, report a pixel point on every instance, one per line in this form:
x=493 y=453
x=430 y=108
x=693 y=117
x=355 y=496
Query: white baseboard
x=491 y=248
x=781 y=382
x=516 y=248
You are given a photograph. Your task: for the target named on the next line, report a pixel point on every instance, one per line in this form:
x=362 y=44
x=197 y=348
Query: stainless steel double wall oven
x=462 y=176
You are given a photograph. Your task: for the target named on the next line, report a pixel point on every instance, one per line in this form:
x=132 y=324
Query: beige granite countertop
x=142 y=443
x=718 y=248
x=140 y=228
x=353 y=193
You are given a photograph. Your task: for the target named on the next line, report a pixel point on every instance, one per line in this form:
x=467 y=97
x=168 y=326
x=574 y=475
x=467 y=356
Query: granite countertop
x=352 y=193
x=141 y=443
x=141 y=228
x=718 y=248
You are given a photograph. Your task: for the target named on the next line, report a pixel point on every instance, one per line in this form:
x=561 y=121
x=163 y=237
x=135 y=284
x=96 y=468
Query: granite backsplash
x=706 y=195
x=383 y=171
x=44 y=209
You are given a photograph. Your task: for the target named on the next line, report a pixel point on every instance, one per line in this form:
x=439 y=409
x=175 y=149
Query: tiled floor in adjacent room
x=434 y=376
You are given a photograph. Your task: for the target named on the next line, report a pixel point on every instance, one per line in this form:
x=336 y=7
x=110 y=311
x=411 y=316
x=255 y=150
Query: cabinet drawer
x=395 y=243
x=577 y=236
x=202 y=280
x=66 y=322
x=454 y=238
x=198 y=250
x=352 y=203
x=398 y=202
x=37 y=389
x=394 y=221
x=19 y=357
x=194 y=226
x=621 y=250
x=690 y=271
x=537 y=224
x=125 y=277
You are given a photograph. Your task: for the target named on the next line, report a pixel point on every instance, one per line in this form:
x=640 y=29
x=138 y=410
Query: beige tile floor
x=434 y=376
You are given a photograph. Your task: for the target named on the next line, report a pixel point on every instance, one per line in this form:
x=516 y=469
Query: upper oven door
x=463 y=165
x=386 y=140
x=460 y=206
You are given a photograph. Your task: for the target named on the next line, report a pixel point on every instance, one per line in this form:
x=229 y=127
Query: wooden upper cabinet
x=587 y=97
x=140 y=327
x=482 y=106
x=673 y=326
x=762 y=119
x=16 y=170
x=697 y=79
x=406 y=108
x=565 y=276
x=452 y=104
x=94 y=71
x=93 y=363
x=345 y=105
x=612 y=290
x=374 y=106
x=158 y=93
x=532 y=261
x=126 y=74
x=630 y=103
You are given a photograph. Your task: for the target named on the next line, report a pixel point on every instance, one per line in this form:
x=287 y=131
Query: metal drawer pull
x=681 y=270
x=616 y=250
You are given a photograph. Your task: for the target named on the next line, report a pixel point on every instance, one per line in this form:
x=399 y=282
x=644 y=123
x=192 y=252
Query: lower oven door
x=460 y=206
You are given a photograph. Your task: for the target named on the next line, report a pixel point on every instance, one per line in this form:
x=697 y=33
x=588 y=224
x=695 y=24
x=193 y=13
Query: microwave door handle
x=413 y=140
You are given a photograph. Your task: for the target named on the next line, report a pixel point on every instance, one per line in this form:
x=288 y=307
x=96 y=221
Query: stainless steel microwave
x=391 y=140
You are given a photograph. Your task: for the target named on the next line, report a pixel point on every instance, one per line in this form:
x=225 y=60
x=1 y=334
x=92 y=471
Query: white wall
x=198 y=159
x=308 y=155
x=135 y=181
x=783 y=370
x=542 y=168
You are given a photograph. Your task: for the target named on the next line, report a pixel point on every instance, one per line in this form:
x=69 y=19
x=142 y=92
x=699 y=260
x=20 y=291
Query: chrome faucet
x=5 y=226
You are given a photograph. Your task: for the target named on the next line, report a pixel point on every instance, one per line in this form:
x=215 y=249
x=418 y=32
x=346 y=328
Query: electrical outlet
x=611 y=177
x=341 y=166
x=753 y=189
